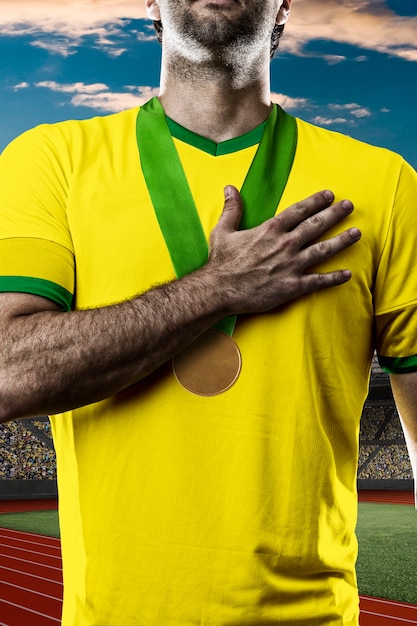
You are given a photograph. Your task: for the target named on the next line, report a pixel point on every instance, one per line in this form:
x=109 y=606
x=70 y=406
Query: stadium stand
x=26 y=450
x=382 y=454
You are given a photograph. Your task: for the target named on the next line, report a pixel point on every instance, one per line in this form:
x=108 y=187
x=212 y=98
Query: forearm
x=404 y=387
x=53 y=361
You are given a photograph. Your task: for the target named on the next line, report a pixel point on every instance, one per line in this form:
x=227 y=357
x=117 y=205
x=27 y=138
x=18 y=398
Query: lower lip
x=218 y=2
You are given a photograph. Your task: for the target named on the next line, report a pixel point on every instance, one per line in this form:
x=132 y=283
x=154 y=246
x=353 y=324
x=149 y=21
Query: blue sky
x=348 y=65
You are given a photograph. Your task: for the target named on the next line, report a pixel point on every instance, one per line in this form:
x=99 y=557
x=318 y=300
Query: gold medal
x=210 y=365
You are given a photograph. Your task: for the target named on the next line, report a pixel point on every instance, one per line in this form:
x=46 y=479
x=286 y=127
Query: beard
x=217 y=29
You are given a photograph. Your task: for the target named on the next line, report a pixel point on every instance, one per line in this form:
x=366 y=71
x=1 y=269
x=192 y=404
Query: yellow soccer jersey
x=238 y=509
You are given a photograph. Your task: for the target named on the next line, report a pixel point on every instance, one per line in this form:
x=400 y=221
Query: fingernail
x=329 y=195
x=348 y=206
x=227 y=193
x=355 y=233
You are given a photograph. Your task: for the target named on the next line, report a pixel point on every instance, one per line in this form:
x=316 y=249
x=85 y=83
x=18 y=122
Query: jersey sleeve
x=36 y=252
x=395 y=294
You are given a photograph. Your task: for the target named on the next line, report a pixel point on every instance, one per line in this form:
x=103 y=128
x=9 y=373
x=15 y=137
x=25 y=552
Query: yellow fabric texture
x=239 y=509
x=37 y=266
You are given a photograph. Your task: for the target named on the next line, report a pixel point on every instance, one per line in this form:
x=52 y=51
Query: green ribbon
x=172 y=199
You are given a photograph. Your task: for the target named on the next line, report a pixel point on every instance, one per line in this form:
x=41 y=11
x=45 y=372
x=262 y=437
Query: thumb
x=232 y=210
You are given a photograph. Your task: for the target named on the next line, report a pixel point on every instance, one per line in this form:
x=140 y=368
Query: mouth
x=223 y=7
x=218 y=3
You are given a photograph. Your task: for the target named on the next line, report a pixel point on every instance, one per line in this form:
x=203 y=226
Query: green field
x=387 y=562
x=40 y=522
x=387 y=533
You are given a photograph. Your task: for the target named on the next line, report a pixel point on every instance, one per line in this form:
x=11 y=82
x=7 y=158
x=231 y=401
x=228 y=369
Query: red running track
x=30 y=579
x=386 y=497
x=31 y=586
x=378 y=612
x=19 y=506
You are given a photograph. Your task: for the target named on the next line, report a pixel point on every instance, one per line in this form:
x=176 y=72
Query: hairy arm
x=53 y=361
x=404 y=387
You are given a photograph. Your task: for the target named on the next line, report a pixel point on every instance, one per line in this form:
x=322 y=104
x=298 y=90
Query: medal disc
x=210 y=365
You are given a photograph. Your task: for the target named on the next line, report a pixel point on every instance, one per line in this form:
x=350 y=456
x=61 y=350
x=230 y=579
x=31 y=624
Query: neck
x=216 y=100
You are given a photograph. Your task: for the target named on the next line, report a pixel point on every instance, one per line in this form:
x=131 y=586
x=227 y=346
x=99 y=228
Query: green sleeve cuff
x=398 y=365
x=38 y=287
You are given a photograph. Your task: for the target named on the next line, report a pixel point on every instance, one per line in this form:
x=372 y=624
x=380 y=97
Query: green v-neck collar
x=252 y=138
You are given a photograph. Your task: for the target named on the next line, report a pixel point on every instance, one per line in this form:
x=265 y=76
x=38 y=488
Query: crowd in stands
x=23 y=455
x=388 y=462
x=393 y=430
x=373 y=417
x=365 y=452
x=376 y=460
x=44 y=426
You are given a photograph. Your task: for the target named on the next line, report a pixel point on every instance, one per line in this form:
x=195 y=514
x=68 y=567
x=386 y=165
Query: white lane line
x=22 y=573
x=390 y=602
x=24 y=532
x=49 y=556
x=35 y=543
x=37 y=593
x=19 y=606
x=16 y=558
x=397 y=619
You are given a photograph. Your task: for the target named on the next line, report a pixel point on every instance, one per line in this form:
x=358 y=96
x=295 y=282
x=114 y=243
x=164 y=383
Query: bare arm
x=52 y=361
x=404 y=387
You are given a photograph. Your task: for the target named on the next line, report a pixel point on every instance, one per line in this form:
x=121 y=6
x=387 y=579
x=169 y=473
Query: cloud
x=368 y=24
x=63 y=47
x=111 y=102
x=329 y=121
x=64 y=24
x=354 y=109
x=73 y=18
x=344 y=107
x=361 y=112
x=146 y=36
x=330 y=114
x=20 y=86
x=289 y=103
x=333 y=59
x=98 y=96
x=72 y=87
